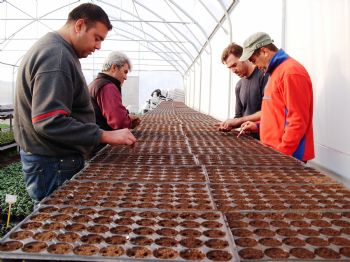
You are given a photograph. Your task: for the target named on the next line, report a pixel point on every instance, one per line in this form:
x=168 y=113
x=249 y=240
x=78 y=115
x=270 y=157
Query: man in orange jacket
x=287 y=107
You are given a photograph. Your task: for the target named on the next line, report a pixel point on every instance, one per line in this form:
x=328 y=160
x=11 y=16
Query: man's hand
x=229 y=124
x=118 y=137
x=249 y=127
x=135 y=121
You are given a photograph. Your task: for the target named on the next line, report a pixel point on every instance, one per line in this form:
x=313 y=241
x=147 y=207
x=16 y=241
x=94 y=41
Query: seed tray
x=266 y=175
x=242 y=160
x=228 y=143
x=123 y=159
x=117 y=234
x=168 y=174
x=156 y=136
x=145 y=149
x=233 y=197
x=227 y=151
x=295 y=235
x=190 y=196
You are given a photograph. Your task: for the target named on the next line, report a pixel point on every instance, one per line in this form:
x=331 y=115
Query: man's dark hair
x=91 y=13
x=233 y=49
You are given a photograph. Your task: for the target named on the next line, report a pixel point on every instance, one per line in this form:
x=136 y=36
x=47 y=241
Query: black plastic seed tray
x=249 y=160
x=231 y=197
x=96 y=234
x=123 y=159
x=158 y=174
x=266 y=175
x=310 y=236
x=259 y=150
x=145 y=149
x=176 y=196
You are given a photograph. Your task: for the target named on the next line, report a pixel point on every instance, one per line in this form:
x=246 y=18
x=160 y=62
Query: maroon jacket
x=105 y=93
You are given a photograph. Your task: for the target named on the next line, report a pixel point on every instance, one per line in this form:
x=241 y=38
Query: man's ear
x=79 y=25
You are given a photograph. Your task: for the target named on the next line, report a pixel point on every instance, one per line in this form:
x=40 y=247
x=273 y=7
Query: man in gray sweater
x=54 y=118
x=249 y=89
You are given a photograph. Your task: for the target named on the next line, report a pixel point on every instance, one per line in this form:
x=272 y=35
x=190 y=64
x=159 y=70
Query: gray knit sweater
x=53 y=112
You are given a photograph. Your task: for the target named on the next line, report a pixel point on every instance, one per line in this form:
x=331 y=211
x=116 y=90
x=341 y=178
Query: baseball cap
x=254 y=42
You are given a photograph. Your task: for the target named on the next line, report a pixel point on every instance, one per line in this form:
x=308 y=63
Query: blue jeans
x=44 y=174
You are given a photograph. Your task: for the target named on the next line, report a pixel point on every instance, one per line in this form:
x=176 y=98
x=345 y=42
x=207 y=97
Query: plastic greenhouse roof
x=158 y=35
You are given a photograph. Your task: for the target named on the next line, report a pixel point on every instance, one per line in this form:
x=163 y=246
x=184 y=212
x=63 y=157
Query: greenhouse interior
x=177 y=180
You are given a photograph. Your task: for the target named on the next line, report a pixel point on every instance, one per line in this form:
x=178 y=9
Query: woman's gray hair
x=115 y=58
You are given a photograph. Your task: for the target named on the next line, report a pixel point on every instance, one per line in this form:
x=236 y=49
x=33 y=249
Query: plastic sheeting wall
x=315 y=32
x=318 y=35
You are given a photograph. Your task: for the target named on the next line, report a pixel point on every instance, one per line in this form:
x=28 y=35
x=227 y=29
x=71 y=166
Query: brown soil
x=294 y=241
x=327 y=253
x=316 y=241
x=259 y=224
x=192 y=254
x=241 y=232
x=34 y=247
x=210 y=216
x=219 y=255
x=67 y=210
x=116 y=240
x=345 y=251
x=251 y=253
x=189 y=216
x=169 y=232
x=141 y=241
x=20 y=235
x=168 y=223
x=286 y=232
x=44 y=236
x=169 y=215
x=108 y=213
x=40 y=217
x=138 y=252
x=87 y=211
x=299 y=223
x=165 y=253
x=329 y=232
x=216 y=243
x=120 y=230
x=143 y=231
x=340 y=223
x=271 y=242
x=81 y=219
x=166 y=242
x=75 y=227
x=60 y=248
x=262 y=232
x=127 y=213
x=211 y=224
x=92 y=239
x=320 y=223
x=10 y=245
x=124 y=221
x=103 y=220
x=189 y=224
x=279 y=223
x=112 y=251
x=214 y=233
x=49 y=209
x=302 y=253
x=191 y=242
x=145 y=222
x=276 y=253
x=339 y=241
x=148 y=214
x=53 y=226
x=85 y=250
x=308 y=232
x=246 y=242
x=69 y=237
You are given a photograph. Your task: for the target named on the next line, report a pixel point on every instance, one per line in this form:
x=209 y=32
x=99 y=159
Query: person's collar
x=110 y=78
x=279 y=57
